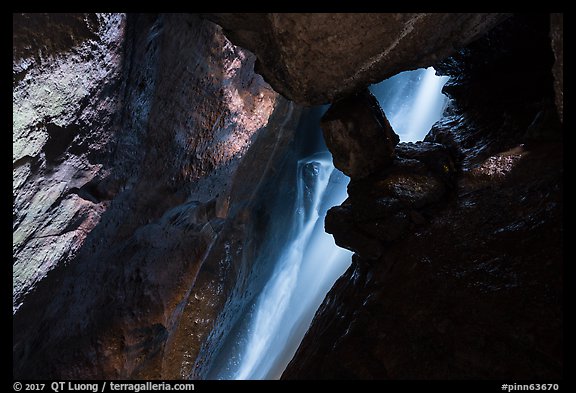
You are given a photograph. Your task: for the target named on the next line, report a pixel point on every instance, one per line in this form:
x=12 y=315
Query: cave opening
x=307 y=260
x=412 y=101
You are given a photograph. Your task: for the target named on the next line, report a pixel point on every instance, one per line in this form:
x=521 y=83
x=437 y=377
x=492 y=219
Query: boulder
x=315 y=58
x=358 y=135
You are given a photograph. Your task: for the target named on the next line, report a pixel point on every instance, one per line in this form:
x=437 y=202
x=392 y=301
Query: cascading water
x=412 y=101
x=286 y=305
x=309 y=262
x=298 y=262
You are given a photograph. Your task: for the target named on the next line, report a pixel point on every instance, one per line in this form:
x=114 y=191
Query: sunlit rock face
x=65 y=100
x=457 y=271
x=316 y=58
x=132 y=142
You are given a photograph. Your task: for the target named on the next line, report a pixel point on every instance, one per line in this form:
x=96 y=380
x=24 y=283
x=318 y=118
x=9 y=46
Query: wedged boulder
x=316 y=58
x=358 y=134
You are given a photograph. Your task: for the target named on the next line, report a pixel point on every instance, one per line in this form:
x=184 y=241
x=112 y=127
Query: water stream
x=412 y=101
x=309 y=262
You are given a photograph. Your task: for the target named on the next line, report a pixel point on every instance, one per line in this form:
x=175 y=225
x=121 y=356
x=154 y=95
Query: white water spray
x=412 y=102
x=280 y=308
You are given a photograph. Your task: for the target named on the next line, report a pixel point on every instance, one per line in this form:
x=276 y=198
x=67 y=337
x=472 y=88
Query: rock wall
x=457 y=272
x=65 y=97
x=132 y=141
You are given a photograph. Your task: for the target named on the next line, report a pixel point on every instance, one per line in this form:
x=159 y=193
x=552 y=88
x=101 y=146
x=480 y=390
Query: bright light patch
x=499 y=165
x=412 y=101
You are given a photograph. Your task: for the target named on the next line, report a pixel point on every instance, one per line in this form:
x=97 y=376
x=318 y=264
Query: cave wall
x=144 y=145
x=65 y=97
x=457 y=272
x=557 y=37
x=133 y=140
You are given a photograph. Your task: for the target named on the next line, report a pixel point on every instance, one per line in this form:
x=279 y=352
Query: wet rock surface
x=458 y=264
x=307 y=57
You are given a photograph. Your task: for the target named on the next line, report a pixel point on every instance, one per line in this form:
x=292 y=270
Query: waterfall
x=412 y=101
x=281 y=308
x=308 y=263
